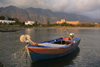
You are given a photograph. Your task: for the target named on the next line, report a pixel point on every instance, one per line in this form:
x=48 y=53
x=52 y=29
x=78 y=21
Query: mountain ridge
x=41 y=15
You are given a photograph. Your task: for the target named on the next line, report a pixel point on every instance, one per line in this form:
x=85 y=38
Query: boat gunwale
x=45 y=46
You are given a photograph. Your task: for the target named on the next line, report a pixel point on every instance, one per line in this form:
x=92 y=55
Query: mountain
x=41 y=15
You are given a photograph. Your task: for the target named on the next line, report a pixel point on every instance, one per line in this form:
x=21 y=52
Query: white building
x=29 y=23
x=7 y=21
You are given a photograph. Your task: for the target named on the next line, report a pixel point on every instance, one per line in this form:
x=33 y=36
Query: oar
x=68 y=33
x=26 y=38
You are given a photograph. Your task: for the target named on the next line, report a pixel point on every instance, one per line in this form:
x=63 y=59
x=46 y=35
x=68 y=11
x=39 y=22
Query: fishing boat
x=50 y=49
x=8 y=30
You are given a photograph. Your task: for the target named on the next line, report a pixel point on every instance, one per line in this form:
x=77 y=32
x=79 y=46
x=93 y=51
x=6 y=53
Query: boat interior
x=56 y=43
x=63 y=42
x=60 y=43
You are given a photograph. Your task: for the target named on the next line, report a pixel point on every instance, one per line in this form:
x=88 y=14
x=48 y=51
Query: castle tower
x=63 y=20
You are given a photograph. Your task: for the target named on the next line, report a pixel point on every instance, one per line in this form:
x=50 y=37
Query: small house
x=29 y=23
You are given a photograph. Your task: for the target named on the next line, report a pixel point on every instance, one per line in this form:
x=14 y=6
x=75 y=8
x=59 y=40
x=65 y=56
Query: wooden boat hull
x=41 y=52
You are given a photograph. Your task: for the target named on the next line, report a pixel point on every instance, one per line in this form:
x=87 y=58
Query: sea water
x=86 y=55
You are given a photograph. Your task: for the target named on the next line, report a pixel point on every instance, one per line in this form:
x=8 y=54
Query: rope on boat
x=68 y=33
x=27 y=50
x=21 y=58
x=24 y=50
x=23 y=38
x=19 y=50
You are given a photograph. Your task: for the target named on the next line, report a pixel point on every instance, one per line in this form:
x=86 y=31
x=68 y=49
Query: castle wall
x=72 y=22
x=69 y=22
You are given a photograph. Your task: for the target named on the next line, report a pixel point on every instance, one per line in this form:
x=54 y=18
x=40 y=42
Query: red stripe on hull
x=53 y=50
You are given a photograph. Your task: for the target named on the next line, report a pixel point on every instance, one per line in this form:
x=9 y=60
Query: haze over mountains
x=41 y=15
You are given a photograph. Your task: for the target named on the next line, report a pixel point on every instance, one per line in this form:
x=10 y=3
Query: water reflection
x=45 y=34
x=59 y=30
x=58 y=62
x=97 y=30
x=0 y=35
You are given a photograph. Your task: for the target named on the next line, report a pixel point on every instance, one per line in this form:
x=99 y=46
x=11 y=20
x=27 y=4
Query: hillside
x=41 y=15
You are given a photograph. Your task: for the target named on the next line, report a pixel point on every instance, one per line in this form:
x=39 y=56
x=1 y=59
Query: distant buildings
x=29 y=23
x=7 y=21
x=96 y=23
x=69 y=22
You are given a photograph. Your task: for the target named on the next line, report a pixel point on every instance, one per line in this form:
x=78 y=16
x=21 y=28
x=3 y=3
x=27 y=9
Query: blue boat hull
x=41 y=56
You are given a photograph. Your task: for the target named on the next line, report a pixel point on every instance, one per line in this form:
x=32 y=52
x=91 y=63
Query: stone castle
x=69 y=22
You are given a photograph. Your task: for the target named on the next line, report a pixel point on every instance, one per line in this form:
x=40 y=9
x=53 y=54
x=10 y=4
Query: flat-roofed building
x=69 y=22
x=29 y=23
x=7 y=21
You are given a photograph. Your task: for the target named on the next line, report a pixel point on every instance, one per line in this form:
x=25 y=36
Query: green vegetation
x=36 y=23
x=70 y=25
x=2 y=18
x=16 y=24
x=48 y=24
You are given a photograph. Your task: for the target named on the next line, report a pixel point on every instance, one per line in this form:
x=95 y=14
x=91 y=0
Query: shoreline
x=18 y=27
x=62 y=27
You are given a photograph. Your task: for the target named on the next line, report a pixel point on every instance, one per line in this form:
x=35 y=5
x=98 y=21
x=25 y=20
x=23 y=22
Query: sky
x=89 y=8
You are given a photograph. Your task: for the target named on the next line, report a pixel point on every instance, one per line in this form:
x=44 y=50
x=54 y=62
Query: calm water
x=86 y=55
